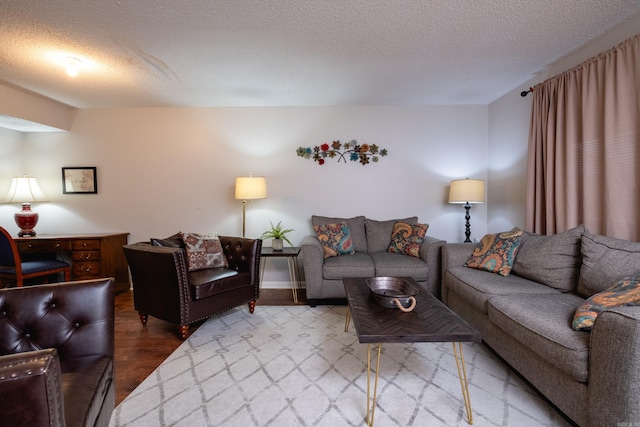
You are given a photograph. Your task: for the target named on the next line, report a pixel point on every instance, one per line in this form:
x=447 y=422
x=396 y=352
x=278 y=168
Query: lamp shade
x=251 y=187
x=466 y=191
x=25 y=189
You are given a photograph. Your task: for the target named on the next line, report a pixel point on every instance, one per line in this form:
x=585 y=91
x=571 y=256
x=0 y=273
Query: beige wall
x=168 y=169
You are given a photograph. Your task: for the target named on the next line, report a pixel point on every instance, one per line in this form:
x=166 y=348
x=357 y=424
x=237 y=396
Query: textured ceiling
x=147 y=53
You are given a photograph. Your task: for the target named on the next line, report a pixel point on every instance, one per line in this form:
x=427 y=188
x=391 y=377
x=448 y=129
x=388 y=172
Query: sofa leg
x=252 y=306
x=182 y=331
x=143 y=318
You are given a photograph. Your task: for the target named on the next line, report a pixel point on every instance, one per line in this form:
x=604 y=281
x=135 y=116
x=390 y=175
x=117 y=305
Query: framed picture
x=79 y=180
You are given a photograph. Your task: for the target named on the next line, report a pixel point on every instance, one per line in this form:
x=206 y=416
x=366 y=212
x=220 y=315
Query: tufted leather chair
x=164 y=288
x=56 y=354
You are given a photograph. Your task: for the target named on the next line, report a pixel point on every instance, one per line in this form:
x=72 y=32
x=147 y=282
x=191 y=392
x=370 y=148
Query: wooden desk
x=91 y=255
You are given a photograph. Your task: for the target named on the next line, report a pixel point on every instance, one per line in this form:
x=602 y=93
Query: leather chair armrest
x=31 y=389
x=242 y=254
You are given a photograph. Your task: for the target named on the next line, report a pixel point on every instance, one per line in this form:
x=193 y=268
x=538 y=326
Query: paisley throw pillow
x=496 y=252
x=624 y=292
x=335 y=239
x=407 y=239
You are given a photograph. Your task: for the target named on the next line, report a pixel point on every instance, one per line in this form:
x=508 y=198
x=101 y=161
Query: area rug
x=296 y=366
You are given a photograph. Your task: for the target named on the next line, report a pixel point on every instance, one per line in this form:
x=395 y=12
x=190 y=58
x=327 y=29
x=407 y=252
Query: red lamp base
x=26 y=220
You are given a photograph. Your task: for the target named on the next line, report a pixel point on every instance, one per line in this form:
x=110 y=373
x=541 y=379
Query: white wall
x=168 y=169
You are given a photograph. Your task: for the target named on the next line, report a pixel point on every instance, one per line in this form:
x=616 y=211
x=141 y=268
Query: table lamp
x=25 y=190
x=249 y=188
x=467 y=191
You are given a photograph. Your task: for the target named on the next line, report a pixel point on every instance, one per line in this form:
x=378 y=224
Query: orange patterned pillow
x=624 y=292
x=407 y=239
x=204 y=251
x=496 y=252
x=335 y=239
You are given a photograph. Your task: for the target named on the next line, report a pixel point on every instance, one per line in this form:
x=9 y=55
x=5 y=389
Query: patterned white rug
x=296 y=366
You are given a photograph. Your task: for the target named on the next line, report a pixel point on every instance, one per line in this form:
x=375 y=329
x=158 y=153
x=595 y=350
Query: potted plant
x=278 y=234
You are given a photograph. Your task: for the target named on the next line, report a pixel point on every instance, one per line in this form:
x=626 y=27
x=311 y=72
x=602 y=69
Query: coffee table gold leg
x=371 y=402
x=346 y=322
x=464 y=384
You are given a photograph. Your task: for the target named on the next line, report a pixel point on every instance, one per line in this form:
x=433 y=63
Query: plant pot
x=277 y=244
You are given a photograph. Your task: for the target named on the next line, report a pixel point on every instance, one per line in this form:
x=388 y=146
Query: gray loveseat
x=592 y=377
x=371 y=239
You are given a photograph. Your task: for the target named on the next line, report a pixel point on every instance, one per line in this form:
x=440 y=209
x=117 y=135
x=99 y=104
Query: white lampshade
x=251 y=187
x=25 y=189
x=466 y=191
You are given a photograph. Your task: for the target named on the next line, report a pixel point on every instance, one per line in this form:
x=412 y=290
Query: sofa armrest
x=31 y=389
x=456 y=254
x=243 y=255
x=312 y=261
x=453 y=255
x=160 y=280
x=431 y=253
x=614 y=367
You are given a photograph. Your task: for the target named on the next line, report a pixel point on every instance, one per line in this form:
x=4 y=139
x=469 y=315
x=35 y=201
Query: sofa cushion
x=542 y=324
x=356 y=265
x=606 y=260
x=390 y=264
x=216 y=281
x=355 y=225
x=406 y=239
x=335 y=239
x=553 y=260
x=204 y=251
x=496 y=252
x=624 y=292
x=477 y=286
x=379 y=232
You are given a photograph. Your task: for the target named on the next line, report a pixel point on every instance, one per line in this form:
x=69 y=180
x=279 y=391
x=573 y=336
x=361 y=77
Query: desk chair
x=14 y=269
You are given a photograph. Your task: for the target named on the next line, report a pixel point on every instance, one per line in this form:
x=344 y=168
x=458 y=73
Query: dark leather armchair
x=164 y=288
x=56 y=354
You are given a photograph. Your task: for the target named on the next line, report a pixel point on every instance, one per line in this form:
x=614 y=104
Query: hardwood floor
x=140 y=349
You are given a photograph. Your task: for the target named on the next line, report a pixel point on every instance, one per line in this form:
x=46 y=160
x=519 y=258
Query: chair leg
x=182 y=331
x=67 y=275
x=252 y=306
x=143 y=318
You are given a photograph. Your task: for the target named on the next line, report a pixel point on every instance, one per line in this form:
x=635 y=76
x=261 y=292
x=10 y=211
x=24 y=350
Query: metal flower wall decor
x=354 y=152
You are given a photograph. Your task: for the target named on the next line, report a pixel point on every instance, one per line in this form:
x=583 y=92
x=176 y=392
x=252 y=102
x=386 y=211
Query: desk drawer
x=86 y=245
x=85 y=256
x=44 y=246
x=85 y=270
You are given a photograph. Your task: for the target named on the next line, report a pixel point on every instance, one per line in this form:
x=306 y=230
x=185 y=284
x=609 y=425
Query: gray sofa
x=592 y=377
x=371 y=239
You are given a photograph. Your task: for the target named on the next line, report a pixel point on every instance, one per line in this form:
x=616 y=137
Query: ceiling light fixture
x=72 y=66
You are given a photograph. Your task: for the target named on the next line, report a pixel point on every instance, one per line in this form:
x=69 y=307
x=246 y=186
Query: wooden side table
x=291 y=254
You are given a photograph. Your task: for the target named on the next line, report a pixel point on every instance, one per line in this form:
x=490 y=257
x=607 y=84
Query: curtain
x=583 y=164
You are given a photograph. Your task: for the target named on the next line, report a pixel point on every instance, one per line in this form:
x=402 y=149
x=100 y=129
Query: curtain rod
x=526 y=92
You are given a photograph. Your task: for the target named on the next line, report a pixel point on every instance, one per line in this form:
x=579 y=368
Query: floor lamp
x=467 y=192
x=249 y=188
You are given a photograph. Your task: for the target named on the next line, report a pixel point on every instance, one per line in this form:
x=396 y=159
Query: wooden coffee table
x=430 y=321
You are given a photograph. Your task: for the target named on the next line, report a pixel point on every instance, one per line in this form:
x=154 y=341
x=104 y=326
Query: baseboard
x=280 y=285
